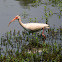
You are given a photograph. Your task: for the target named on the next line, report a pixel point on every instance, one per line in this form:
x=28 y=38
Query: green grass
x=21 y=48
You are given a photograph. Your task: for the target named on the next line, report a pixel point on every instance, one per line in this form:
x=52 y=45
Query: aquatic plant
x=24 y=48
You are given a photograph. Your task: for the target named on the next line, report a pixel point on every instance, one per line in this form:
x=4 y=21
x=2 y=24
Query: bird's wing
x=35 y=26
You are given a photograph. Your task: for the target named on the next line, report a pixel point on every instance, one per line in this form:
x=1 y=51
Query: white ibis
x=31 y=27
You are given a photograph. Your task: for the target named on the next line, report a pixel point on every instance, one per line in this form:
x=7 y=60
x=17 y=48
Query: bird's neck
x=21 y=23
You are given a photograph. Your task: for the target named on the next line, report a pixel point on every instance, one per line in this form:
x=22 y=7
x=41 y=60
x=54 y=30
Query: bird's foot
x=44 y=36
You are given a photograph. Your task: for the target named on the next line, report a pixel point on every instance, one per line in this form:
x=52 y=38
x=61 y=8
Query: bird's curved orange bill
x=12 y=21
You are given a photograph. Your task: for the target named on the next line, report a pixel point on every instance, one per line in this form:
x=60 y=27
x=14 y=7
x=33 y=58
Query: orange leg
x=43 y=34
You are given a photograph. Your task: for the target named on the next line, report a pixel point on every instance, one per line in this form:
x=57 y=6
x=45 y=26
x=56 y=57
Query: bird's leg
x=43 y=34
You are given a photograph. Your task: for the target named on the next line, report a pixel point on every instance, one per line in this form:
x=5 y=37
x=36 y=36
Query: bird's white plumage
x=35 y=26
x=32 y=27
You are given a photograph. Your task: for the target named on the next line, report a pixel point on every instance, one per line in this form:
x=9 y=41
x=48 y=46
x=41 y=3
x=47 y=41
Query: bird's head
x=16 y=17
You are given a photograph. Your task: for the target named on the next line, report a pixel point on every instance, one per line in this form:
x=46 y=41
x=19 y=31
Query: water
x=10 y=8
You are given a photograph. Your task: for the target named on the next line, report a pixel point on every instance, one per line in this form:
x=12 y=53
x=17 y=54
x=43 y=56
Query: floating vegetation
x=25 y=14
x=29 y=48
